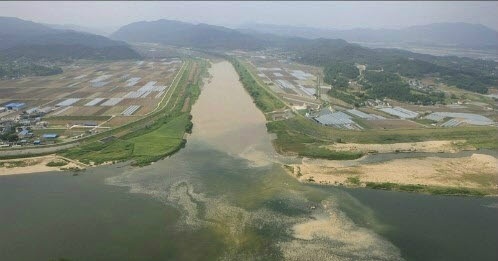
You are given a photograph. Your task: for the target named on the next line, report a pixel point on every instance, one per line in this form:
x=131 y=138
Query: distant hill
x=438 y=34
x=186 y=34
x=77 y=28
x=26 y=39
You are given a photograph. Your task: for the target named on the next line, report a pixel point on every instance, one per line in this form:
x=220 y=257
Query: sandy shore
x=477 y=171
x=425 y=146
x=34 y=165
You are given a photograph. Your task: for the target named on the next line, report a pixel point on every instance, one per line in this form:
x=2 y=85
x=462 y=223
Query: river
x=224 y=198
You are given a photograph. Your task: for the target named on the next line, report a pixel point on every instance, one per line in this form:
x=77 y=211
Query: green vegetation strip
x=57 y=163
x=14 y=164
x=435 y=190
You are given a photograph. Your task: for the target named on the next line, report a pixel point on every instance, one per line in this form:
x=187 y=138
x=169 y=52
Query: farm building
x=16 y=106
x=469 y=118
x=25 y=133
x=90 y=123
x=50 y=135
x=400 y=112
x=336 y=119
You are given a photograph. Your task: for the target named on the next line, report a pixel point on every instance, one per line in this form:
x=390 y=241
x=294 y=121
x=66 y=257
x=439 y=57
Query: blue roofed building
x=15 y=106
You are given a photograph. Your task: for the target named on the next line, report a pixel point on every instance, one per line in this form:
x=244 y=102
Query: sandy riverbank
x=446 y=146
x=478 y=171
x=34 y=165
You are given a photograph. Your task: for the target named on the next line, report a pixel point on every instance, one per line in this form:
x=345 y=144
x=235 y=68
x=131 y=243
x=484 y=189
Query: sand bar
x=33 y=165
x=477 y=171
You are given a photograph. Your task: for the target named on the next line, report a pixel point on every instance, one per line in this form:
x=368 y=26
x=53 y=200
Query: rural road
x=34 y=150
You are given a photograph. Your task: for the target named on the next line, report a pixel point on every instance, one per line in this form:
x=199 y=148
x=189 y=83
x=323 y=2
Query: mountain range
x=186 y=34
x=25 y=39
x=83 y=29
x=34 y=40
x=465 y=73
x=437 y=34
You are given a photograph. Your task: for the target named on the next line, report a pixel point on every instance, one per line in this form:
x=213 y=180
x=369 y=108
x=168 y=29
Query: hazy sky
x=110 y=15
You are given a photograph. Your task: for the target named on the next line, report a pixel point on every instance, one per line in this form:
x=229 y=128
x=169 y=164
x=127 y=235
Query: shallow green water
x=203 y=204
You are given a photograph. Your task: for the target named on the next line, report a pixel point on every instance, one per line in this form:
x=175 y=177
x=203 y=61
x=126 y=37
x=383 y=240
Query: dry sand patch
x=33 y=165
x=425 y=146
x=477 y=171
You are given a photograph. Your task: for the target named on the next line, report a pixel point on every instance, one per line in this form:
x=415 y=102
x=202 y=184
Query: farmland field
x=149 y=138
x=92 y=92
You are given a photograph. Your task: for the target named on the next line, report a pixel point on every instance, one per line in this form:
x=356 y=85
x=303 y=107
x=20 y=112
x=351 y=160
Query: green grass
x=425 y=121
x=58 y=163
x=144 y=147
x=435 y=190
x=353 y=180
x=99 y=153
x=165 y=138
x=313 y=151
x=14 y=164
x=46 y=131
